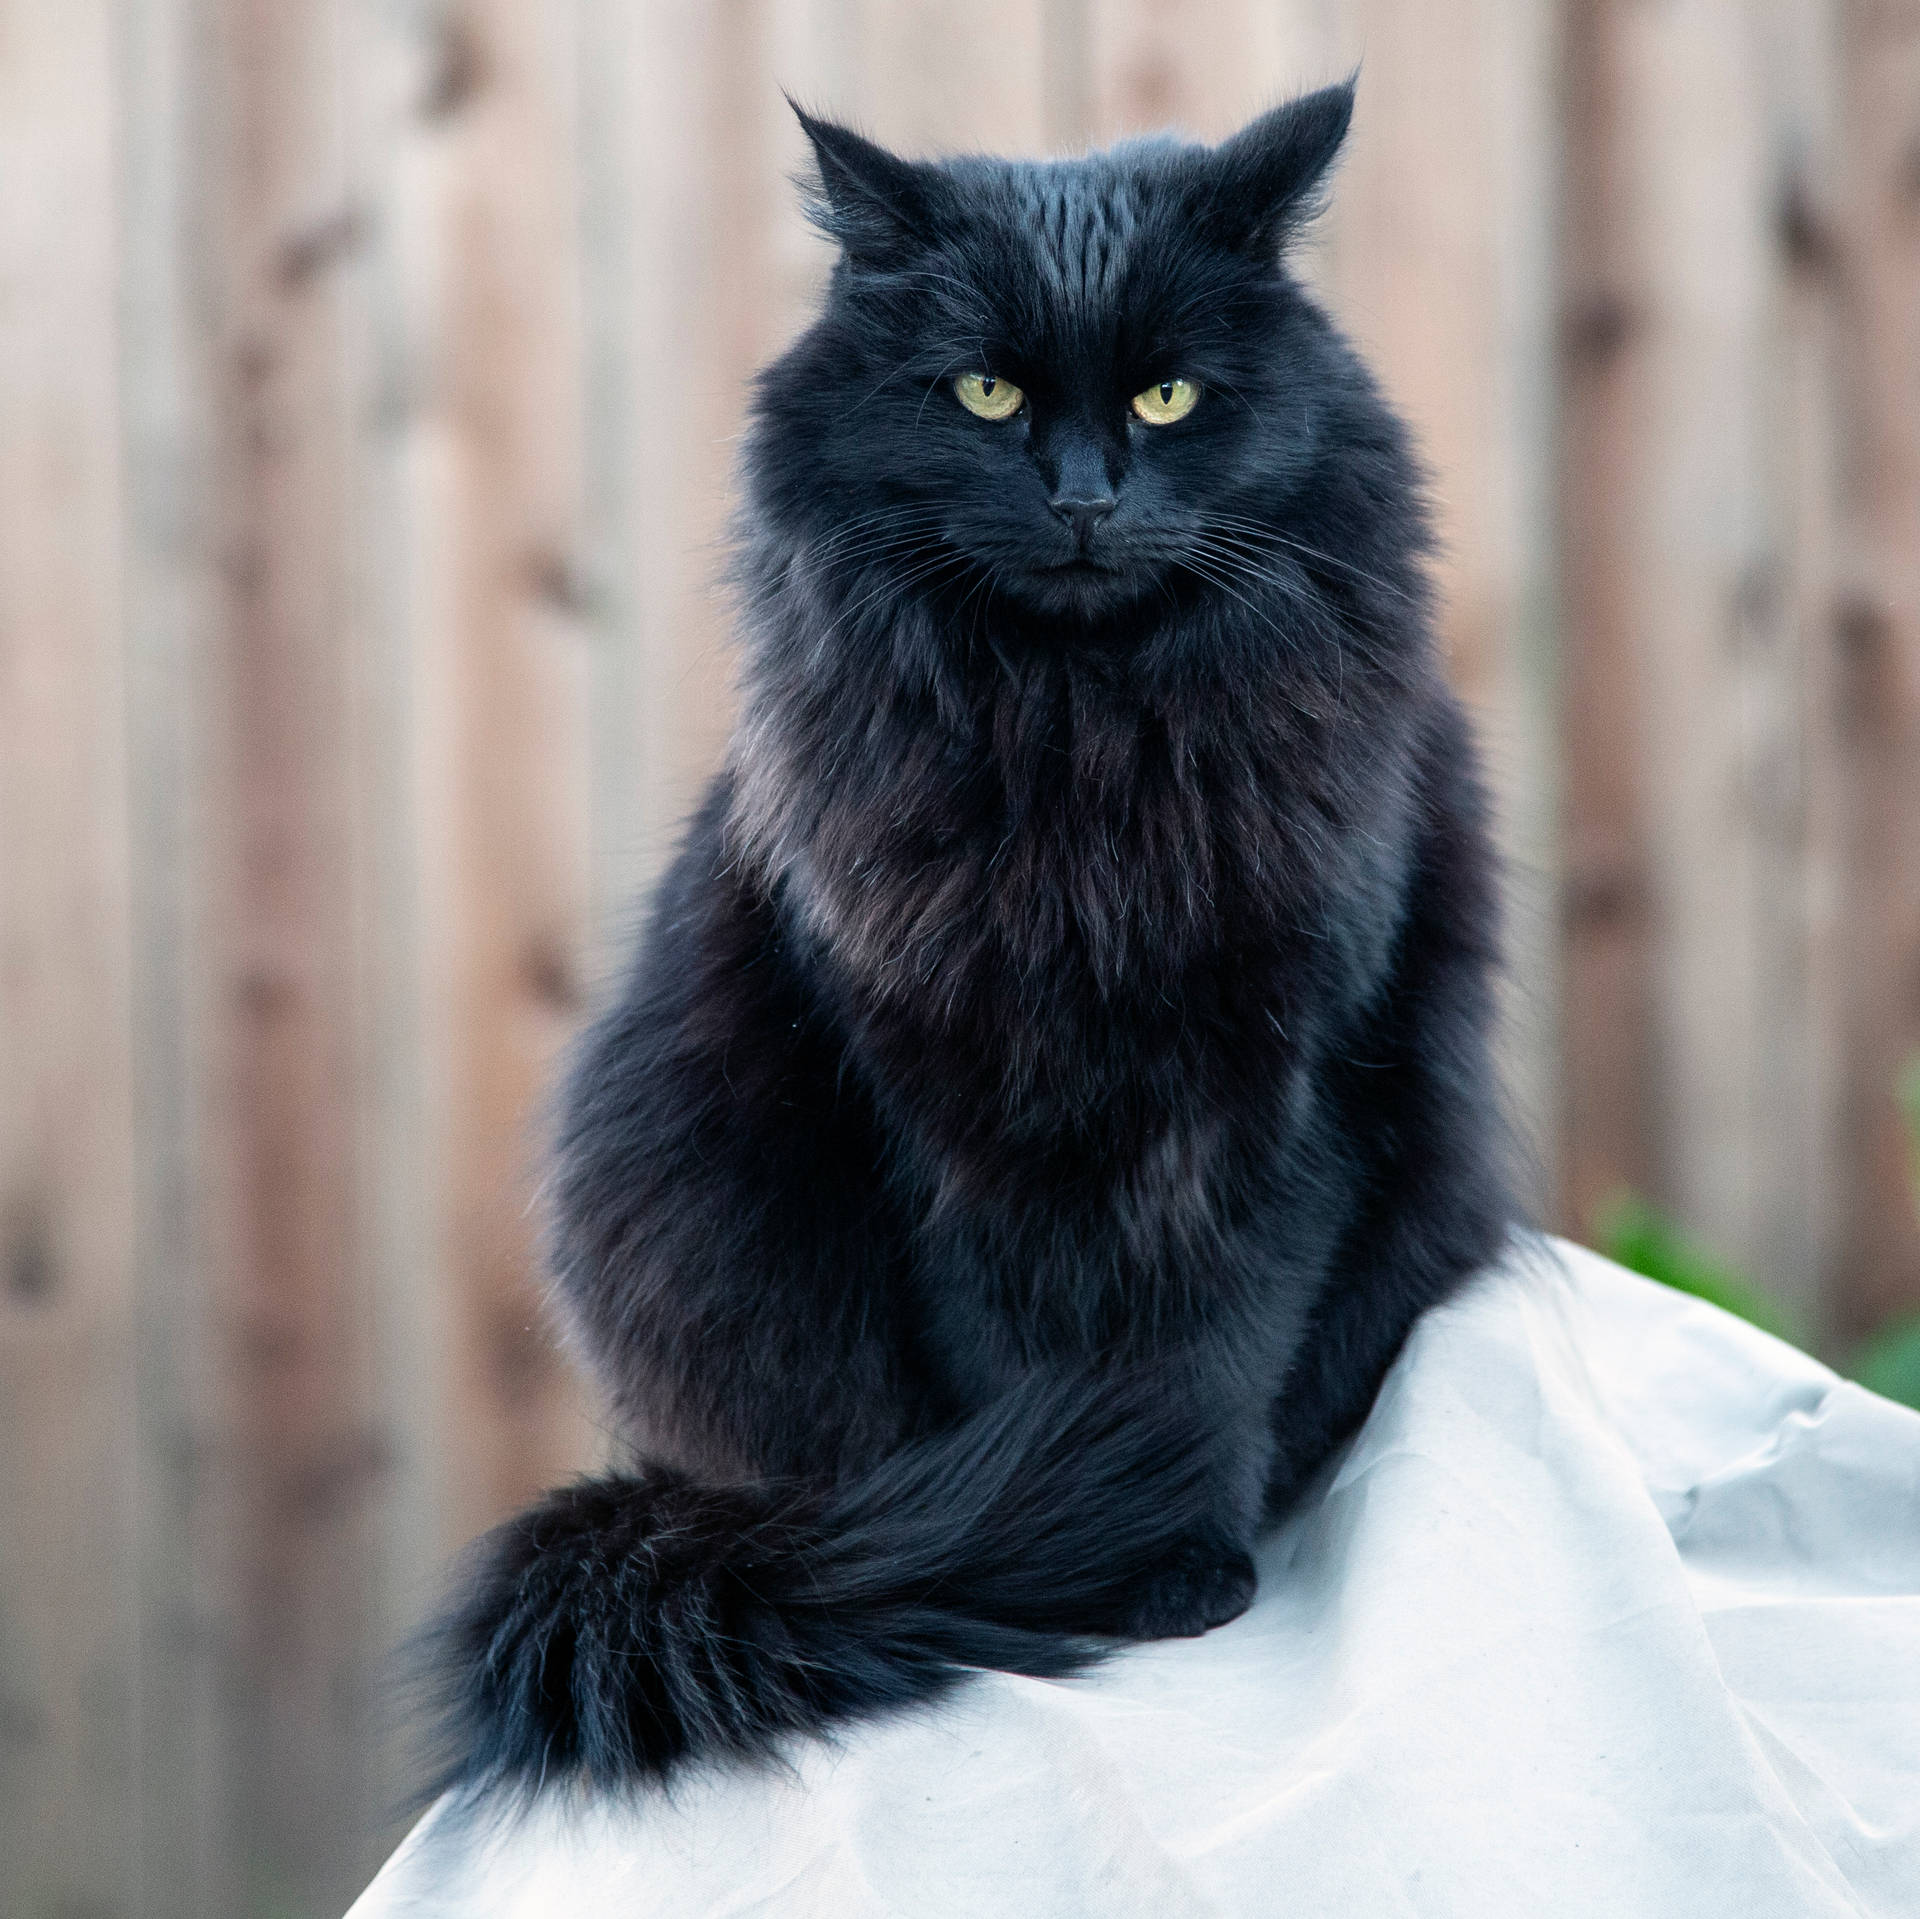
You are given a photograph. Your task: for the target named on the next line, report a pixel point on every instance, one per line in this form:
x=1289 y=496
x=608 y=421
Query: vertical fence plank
x=394 y=66
x=1805 y=908
x=1202 y=66
x=1877 y=635
x=1792 y=792
x=688 y=287
x=1440 y=267
x=1689 y=1057
x=1066 y=42
x=1715 y=565
x=67 y=1625
x=1607 y=1129
x=182 y=1750
x=499 y=524
x=940 y=79
x=296 y=1455
x=642 y=216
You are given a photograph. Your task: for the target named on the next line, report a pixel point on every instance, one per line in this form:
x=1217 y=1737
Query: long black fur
x=1057 y=1073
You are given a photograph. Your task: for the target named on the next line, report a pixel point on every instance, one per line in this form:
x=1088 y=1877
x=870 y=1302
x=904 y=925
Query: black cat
x=1057 y=1072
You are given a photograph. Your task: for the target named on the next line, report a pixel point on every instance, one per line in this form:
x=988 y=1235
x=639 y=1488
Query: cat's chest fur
x=1076 y=938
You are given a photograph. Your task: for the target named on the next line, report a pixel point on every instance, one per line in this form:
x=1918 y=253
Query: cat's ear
x=1267 y=181
x=878 y=206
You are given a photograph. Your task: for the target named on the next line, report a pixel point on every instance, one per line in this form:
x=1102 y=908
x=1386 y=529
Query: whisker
x=899 y=582
x=1232 y=522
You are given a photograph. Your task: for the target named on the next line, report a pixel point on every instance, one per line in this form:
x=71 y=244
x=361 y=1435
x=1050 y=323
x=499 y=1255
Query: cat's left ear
x=878 y=206
x=1266 y=182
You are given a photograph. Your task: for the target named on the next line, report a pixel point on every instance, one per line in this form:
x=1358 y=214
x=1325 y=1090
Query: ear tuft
x=1267 y=182
x=879 y=207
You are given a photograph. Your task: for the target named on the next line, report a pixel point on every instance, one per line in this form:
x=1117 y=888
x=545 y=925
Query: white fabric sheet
x=1612 y=1608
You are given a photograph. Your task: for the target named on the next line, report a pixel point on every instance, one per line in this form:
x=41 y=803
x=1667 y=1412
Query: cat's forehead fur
x=1079 y=223
x=1083 y=220
x=1057 y=253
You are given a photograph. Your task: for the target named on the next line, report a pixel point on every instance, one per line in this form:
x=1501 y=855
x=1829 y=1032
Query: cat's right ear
x=879 y=207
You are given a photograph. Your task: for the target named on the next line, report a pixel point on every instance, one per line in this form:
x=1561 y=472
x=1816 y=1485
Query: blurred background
x=370 y=379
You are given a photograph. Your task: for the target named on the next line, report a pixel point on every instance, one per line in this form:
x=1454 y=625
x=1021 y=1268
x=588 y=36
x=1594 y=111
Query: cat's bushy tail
x=632 y=1624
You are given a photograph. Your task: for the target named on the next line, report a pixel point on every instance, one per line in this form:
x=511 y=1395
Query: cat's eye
x=988 y=395
x=1169 y=400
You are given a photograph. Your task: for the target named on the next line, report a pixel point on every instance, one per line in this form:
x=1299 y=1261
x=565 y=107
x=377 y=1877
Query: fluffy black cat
x=1056 y=1074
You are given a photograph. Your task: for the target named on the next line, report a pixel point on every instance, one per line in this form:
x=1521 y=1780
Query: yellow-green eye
x=988 y=395
x=1171 y=400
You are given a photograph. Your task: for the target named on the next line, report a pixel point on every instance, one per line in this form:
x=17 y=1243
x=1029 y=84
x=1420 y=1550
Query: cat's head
x=1069 y=383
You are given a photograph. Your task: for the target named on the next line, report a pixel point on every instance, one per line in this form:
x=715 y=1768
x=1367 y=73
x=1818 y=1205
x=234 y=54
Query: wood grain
x=68 y=1628
x=294 y=1454
x=1876 y=636
x=504 y=691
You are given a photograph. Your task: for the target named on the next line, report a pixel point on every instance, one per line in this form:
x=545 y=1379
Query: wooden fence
x=369 y=376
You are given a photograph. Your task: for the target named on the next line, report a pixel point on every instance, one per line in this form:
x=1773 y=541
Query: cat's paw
x=1200 y=1587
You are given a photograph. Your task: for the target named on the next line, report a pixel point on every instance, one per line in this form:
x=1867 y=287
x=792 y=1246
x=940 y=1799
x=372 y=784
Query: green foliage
x=1889 y=1363
x=1908 y=1092
x=1633 y=1234
x=1636 y=1236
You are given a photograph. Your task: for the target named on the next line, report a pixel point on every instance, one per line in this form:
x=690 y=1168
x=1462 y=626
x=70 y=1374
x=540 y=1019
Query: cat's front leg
x=1208 y=1578
x=723 y=1251
x=1208 y=1582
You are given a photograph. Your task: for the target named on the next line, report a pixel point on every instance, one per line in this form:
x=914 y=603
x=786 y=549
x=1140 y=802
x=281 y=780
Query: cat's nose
x=1083 y=512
